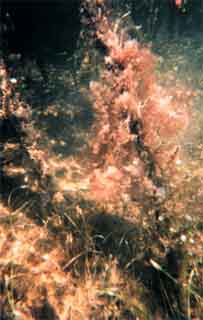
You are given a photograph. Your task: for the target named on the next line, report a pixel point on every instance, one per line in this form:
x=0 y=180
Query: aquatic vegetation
x=113 y=231
x=138 y=121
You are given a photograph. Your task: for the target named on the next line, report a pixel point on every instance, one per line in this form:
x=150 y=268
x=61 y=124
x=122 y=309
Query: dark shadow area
x=132 y=245
x=67 y=124
x=10 y=129
x=40 y=28
x=45 y=311
x=39 y=37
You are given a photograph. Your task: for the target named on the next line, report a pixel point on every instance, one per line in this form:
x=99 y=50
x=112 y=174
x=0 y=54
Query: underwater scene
x=101 y=160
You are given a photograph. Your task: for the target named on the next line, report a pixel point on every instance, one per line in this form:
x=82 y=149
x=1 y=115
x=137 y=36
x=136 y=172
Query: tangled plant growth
x=82 y=262
x=138 y=121
x=23 y=163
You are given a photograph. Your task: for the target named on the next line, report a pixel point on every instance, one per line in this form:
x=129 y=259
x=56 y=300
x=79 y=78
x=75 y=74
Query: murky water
x=62 y=112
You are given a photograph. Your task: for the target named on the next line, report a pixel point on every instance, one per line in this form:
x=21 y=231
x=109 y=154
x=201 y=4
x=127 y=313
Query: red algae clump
x=138 y=121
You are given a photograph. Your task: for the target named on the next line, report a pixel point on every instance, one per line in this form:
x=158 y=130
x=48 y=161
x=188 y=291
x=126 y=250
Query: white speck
x=179 y=162
x=183 y=238
x=138 y=27
x=188 y=217
x=13 y=80
x=172 y=230
x=45 y=257
x=17 y=314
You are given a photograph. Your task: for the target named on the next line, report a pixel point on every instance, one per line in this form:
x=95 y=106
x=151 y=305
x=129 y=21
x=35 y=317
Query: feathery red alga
x=137 y=120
